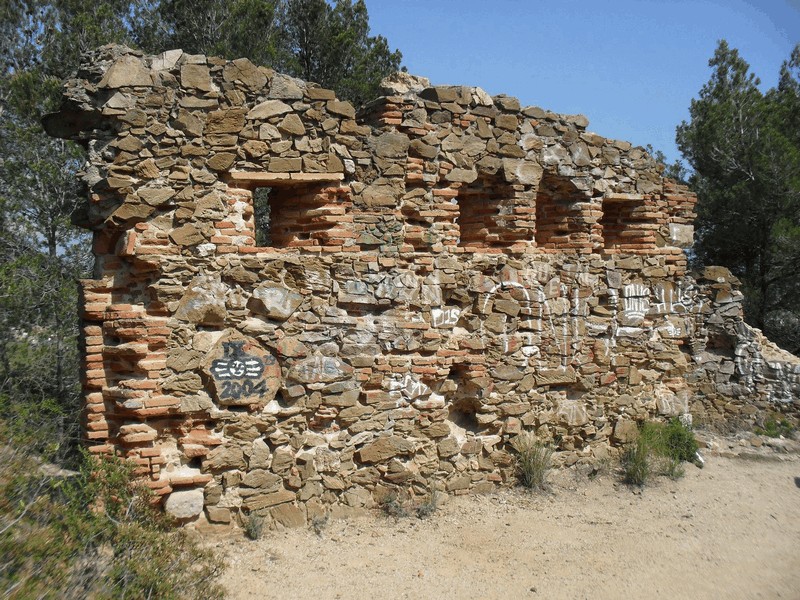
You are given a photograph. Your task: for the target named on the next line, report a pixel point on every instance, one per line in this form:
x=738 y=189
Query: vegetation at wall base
x=775 y=427
x=533 y=461
x=393 y=506
x=636 y=464
x=660 y=449
x=91 y=534
x=429 y=505
x=254 y=527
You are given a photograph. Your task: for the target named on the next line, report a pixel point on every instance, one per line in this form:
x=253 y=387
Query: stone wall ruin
x=447 y=269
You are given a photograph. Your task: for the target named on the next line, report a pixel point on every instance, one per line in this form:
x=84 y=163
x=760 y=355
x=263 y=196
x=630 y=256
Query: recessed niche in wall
x=293 y=210
x=629 y=222
x=487 y=216
x=561 y=214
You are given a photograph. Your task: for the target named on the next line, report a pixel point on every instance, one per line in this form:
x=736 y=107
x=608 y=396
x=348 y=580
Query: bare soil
x=730 y=530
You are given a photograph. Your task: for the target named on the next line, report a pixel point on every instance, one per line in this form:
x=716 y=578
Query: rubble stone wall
x=447 y=269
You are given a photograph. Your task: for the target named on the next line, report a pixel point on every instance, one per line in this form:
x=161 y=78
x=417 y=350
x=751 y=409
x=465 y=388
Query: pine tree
x=744 y=148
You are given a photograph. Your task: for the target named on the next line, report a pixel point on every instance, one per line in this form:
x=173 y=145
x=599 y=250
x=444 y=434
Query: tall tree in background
x=41 y=254
x=227 y=28
x=316 y=40
x=330 y=44
x=744 y=148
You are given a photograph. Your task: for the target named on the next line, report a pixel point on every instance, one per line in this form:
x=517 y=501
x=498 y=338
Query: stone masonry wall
x=447 y=269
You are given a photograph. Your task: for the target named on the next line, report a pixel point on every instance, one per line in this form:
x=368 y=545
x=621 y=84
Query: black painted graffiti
x=236 y=364
x=235 y=389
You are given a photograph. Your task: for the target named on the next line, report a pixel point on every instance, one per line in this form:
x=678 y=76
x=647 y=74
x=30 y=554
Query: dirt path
x=731 y=530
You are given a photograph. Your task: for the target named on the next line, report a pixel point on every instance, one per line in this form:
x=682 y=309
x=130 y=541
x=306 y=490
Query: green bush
x=775 y=428
x=92 y=534
x=672 y=440
x=661 y=448
x=533 y=461
x=636 y=464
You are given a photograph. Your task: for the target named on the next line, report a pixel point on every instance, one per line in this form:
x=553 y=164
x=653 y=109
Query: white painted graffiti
x=446 y=317
x=409 y=386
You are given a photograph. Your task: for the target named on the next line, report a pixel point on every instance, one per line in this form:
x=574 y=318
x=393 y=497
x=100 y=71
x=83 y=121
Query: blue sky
x=631 y=66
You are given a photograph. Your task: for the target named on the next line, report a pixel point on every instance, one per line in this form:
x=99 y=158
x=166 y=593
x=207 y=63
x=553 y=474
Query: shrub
x=636 y=463
x=661 y=448
x=318 y=523
x=775 y=428
x=672 y=440
x=429 y=506
x=533 y=460
x=92 y=534
x=254 y=527
x=392 y=506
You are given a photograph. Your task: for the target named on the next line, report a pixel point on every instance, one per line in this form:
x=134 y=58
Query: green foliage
x=661 y=448
x=229 y=28
x=330 y=44
x=316 y=40
x=533 y=461
x=776 y=427
x=675 y=170
x=744 y=147
x=672 y=439
x=636 y=464
x=91 y=535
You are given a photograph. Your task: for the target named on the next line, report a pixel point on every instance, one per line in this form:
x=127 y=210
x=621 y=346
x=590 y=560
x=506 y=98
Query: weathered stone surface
x=385 y=447
x=292 y=124
x=126 y=71
x=155 y=196
x=274 y=301
x=225 y=458
x=166 y=60
x=189 y=122
x=437 y=274
x=289 y=515
x=320 y=369
x=203 y=302
x=392 y=145
x=221 y=161
x=230 y=120
x=283 y=86
x=625 y=432
x=267 y=109
x=185 y=504
x=267 y=500
x=196 y=76
x=187 y=235
x=344 y=109
x=246 y=72
x=462 y=175
x=422 y=149
x=217 y=514
x=259 y=478
x=284 y=165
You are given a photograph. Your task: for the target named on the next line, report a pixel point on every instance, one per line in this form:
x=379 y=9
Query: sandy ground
x=730 y=530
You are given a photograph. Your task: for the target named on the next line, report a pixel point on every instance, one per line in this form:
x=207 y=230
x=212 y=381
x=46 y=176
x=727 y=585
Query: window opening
x=562 y=214
x=487 y=217
x=629 y=222
x=293 y=210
